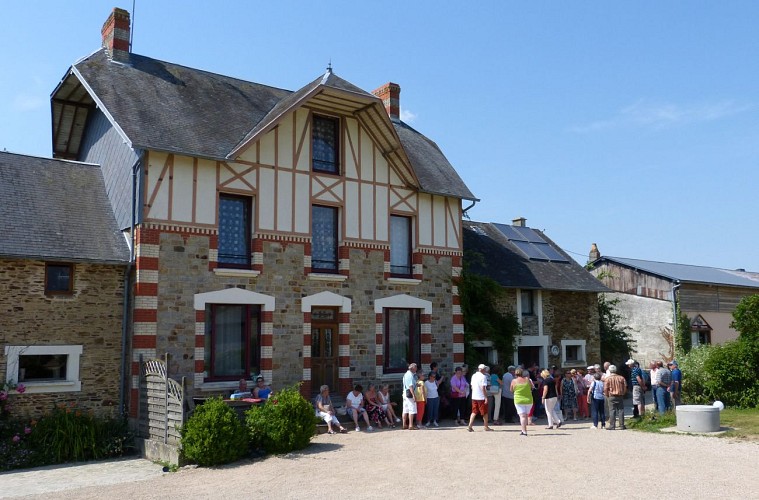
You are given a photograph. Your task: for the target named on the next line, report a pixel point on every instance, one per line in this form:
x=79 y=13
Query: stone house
x=62 y=270
x=647 y=291
x=553 y=297
x=308 y=236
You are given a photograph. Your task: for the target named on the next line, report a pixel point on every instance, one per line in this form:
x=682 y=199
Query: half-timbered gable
x=338 y=224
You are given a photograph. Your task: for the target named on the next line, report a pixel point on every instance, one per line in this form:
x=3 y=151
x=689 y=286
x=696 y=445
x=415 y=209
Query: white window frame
x=72 y=382
x=583 y=353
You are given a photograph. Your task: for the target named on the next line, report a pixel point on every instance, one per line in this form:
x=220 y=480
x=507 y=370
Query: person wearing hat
x=676 y=385
x=479 y=397
x=638 y=388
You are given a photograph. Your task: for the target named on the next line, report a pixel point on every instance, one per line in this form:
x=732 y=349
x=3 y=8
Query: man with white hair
x=638 y=388
x=615 y=388
x=409 y=401
x=479 y=397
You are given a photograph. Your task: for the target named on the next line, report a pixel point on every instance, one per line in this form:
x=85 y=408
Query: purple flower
x=3 y=395
x=16 y=438
x=21 y=388
x=27 y=430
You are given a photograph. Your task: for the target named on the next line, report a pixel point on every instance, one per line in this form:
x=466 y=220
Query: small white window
x=573 y=353
x=49 y=368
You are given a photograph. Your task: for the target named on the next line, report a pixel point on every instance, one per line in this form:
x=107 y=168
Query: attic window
x=59 y=279
x=325 y=145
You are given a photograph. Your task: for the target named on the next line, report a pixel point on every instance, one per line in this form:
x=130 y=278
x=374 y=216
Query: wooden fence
x=162 y=403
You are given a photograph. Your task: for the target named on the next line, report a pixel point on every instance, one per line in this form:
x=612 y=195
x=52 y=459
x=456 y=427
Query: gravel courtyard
x=447 y=462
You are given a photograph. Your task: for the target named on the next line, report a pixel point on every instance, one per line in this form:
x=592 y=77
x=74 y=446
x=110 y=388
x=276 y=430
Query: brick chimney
x=390 y=93
x=595 y=254
x=519 y=221
x=116 y=35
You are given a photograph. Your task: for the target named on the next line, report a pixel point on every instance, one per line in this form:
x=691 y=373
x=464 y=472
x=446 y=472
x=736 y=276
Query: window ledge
x=327 y=277
x=404 y=281
x=51 y=386
x=236 y=273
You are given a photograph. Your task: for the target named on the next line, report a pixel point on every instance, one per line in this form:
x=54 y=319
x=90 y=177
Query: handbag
x=409 y=394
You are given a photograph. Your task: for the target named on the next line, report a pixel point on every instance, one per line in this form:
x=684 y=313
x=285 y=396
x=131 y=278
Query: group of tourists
x=520 y=395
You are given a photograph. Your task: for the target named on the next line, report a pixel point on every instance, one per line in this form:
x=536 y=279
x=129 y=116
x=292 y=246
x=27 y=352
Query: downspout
x=463 y=212
x=675 y=287
x=127 y=288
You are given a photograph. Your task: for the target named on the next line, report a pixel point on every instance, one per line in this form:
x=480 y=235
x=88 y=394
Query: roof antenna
x=131 y=31
x=329 y=66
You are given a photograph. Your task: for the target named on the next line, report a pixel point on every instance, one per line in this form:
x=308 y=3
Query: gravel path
x=397 y=463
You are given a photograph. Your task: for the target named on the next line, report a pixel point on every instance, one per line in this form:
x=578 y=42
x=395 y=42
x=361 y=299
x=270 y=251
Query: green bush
x=214 y=435
x=725 y=372
x=284 y=423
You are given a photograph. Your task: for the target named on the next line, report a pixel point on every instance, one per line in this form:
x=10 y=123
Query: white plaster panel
x=395 y=179
x=147 y=276
x=456 y=309
x=351 y=216
x=285 y=142
x=383 y=213
x=454 y=223
x=306 y=373
x=200 y=353
x=266 y=200
x=303 y=162
x=344 y=372
x=344 y=350
x=326 y=299
x=367 y=212
x=267 y=148
x=266 y=352
x=403 y=301
x=425 y=220
x=181 y=200
x=284 y=201
x=302 y=196
x=382 y=169
x=438 y=221
x=143 y=302
x=351 y=129
x=147 y=250
x=306 y=351
x=366 y=169
x=200 y=328
x=144 y=328
x=458 y=328
x=379 y=349
x=205 y=202
x=267 y=328
x=234 y=296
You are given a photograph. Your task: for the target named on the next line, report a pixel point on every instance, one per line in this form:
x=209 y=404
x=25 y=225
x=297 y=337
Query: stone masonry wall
x=572 y=316
x=91 y=317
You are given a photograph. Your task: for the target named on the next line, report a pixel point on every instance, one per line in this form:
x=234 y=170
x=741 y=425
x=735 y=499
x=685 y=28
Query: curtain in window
x=229 y=341
x=324 y=238
x=402 y=338
x=234 y=224
x=400 y=245
x=325 y=144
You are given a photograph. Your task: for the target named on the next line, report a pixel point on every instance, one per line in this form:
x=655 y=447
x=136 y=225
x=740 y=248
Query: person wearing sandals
x=522 y=387
x=374 y=408
x=479 y=397
x=433 y=399
x=550 y=398
x=326 y=411
x=387 y=406
x=354 y=406
x=459 y=389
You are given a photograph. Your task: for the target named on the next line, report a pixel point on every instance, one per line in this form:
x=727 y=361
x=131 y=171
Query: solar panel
x=530 y=250
x=529 y=235
x=509 y=232
x=550 y=252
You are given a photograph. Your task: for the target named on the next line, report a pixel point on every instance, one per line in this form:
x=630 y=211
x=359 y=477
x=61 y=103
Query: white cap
x=630 y=362
x=481 y=367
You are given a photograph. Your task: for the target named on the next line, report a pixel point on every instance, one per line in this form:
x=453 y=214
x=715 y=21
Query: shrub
x=284 y=423
x=694 y=375
x=214 y=435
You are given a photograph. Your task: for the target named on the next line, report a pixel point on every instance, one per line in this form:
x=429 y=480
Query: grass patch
x=652 y=422
x=745 y=423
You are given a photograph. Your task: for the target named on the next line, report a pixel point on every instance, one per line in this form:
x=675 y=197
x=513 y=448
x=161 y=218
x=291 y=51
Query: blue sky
x=634 y=125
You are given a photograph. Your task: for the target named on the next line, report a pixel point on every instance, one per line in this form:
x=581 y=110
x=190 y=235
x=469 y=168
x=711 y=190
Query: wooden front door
x=324 y=361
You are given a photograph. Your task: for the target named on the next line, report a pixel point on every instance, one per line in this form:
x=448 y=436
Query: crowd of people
x=517 y=394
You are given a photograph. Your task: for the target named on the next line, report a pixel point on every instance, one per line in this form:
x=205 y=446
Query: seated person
x=354 y=406
x=261 y=391
x=374 y=408
x=387 y=406
x=326 y=411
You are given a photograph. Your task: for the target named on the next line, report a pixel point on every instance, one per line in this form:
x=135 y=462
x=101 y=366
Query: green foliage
x=284 y=423
x=746 y=318
x=683 y=343
x=725 y=372
x=482 y=319
x=214 y=435
x=616 y=342
x=652 y=422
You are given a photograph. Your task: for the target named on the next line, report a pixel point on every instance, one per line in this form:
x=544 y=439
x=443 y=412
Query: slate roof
x=687 y=273
x=168 y=107
x=490 y=253
x=56 y=210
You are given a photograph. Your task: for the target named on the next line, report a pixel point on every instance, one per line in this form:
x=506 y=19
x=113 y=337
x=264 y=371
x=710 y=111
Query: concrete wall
x=649 y=322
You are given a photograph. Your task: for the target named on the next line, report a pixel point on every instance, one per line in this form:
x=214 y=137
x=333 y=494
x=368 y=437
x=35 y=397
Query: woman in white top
x=387 y=406
x=326 y=411
x=433 y=399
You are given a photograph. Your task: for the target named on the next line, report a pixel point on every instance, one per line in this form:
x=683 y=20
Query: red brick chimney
x=116 y=35
x=390 y=93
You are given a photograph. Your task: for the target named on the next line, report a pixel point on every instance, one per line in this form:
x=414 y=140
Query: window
x=400 y=246
x=528 y=303
x=59 y=278
x=402 y=338
x=325 y=145
x=573 y=353
x=324 y=239
x=234 y=231
x=53 y=368
x=232 y=341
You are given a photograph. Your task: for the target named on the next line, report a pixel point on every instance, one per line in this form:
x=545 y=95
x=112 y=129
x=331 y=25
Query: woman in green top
x=522 y=387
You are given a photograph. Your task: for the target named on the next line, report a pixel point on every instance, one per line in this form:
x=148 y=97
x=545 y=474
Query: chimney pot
x=390 y=93
x=519 y=222
x=115 y=34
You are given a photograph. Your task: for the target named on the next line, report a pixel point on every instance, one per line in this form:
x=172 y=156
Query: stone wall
x=649 y=322
x=572 y=316
x=90 y=317
x=183 y=271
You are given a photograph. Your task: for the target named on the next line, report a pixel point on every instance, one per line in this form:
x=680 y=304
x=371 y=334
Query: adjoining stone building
x=62 y=271
x=553 y=297
x=307 y=236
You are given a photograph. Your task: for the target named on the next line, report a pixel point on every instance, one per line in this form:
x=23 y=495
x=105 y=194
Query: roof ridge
x=674 y=263
x=74 y=162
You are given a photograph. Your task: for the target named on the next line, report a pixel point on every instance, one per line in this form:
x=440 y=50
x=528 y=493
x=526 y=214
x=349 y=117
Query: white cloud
x=408 y=116
x=28 y=102
x=663 y=115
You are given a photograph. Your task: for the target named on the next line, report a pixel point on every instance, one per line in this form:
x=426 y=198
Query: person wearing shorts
x=408 y=416
x=479 y=398
x=522 y=387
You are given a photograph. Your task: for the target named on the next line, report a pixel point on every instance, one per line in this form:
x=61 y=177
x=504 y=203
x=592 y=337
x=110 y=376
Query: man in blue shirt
x=638 y=388
x=676 y=385
x=409 y=401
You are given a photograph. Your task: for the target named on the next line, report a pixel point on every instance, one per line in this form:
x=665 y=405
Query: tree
x=482 y=320
x=746 y=318
x=616 y=342
x=683 y=342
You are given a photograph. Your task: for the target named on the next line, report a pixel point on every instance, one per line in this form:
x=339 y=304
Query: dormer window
x=325 y=145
